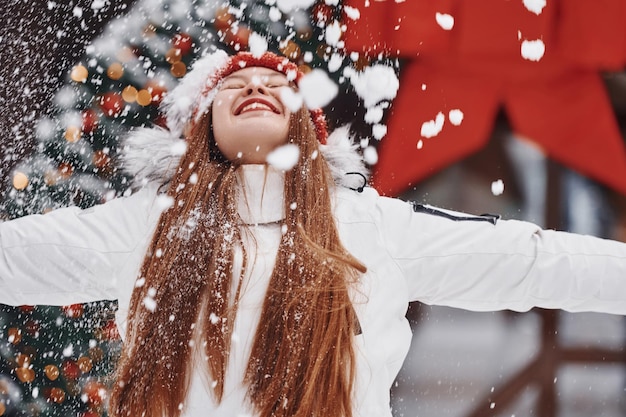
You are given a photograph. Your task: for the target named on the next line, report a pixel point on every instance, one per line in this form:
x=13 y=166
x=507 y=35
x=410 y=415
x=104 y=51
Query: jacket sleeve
x=481 y=264
x=70 y=255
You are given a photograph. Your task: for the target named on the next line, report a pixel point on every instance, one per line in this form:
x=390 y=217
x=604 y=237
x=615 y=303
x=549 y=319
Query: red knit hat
x=192 y=98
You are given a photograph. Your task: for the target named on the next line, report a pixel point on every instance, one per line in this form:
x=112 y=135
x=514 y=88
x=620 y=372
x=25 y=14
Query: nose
x=256 y=87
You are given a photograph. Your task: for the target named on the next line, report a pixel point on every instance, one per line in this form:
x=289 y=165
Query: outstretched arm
x=480 y=264
x=70 y=255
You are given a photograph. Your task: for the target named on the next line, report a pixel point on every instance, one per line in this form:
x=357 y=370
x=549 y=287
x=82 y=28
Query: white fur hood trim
x=151 y=155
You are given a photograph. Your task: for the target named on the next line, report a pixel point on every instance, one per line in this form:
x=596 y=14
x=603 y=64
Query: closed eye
x=277 y=85
x=233 y=86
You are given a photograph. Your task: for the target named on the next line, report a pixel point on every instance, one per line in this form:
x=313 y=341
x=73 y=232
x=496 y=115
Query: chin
x=266 y=127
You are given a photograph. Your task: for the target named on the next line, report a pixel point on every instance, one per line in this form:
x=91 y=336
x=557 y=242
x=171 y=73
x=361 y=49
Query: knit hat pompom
x=193 y=97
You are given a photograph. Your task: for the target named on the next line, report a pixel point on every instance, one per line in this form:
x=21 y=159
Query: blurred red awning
x=559 y=102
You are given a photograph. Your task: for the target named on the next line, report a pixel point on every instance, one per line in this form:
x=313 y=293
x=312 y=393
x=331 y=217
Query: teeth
x=255 y=106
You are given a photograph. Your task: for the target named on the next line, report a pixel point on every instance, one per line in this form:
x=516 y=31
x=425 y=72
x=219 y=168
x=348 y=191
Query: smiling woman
x=249 y=119
x=244 y=289
x=277 y=294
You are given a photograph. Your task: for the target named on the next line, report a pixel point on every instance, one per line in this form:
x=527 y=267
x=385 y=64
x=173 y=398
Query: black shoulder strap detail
x=362 y=187
x=421 y=208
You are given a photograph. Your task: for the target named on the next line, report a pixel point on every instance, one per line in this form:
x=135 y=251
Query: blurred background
x=510 y=107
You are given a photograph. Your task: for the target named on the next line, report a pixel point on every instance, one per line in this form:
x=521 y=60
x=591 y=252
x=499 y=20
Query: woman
x=248 y=291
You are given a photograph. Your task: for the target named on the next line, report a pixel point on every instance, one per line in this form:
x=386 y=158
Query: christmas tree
x=126 y=72
x=54 y=360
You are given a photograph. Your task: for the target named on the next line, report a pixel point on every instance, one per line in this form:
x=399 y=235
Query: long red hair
x=302 y=361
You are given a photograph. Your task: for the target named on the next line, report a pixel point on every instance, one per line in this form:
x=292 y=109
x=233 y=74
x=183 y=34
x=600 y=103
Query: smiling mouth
x=255 y=105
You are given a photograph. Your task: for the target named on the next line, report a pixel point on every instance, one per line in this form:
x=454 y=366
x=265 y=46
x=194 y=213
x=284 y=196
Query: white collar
x=151 y=154
x=260 y=200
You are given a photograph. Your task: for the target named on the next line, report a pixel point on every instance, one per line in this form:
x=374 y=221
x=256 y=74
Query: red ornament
x=26 y=375
x=111 y=103
x=70 y=369
x=157 y=89
x=95 y=392
x=239 y=39
x=183 y=42
x=23 y=360
x=51 y=371
x=223 y=19
x=109 y=331
x=55 y=395
x=322 y=13
x=85 y=364
x=27 y=309
x=15 y=335
x=101 y=160
x=65 y=170
x=31 y=327
x=90 y=120
x=73 y=311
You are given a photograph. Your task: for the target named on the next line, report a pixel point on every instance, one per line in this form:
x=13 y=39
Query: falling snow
x=287 y=6
x=178 y=148
x=535 y=6
x=41 y=41
x=68 y=351
x=333 y=33
x=258 y=44
x=370 y=155
x=444 y=20
x=497 y=187
x=533 y=50
x=334 y=63
x=149 y=302
x=317 y=89
x=432 y=128
x=285 y=157
x=291 y=98
x=379 y=131
x=374 y=114
x=352 y=12
x=455 y=116
x=164 y=202
x=274 y=14
x=374 y=84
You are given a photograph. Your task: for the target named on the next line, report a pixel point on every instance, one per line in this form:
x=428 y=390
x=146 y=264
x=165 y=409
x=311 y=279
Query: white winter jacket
x=411 y=253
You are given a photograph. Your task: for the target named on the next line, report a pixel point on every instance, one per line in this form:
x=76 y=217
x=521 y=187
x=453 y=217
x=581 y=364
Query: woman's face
x=249 y=119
